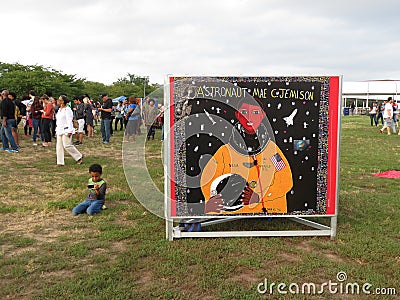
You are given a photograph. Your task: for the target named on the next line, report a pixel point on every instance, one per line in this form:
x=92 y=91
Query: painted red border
x=333 y=131
x=171 y=146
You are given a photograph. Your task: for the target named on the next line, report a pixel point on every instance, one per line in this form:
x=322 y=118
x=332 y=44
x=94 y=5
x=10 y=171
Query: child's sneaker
x=104 y=207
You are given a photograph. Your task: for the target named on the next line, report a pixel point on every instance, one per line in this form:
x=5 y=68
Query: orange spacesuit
x=265 y=172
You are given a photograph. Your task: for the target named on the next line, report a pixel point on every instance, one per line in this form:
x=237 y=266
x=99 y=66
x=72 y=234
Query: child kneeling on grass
x=94 y=202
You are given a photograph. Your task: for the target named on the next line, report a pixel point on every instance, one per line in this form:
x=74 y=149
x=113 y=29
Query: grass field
x=122 y=253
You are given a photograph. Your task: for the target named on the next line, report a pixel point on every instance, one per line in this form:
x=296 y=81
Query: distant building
x=363 y=93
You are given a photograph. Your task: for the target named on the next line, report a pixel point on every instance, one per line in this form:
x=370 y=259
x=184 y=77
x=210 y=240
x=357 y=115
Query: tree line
x=21 y=79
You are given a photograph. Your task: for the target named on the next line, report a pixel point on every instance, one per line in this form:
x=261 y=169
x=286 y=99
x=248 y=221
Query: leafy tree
x=21 y=79
x=95 y=89
x=132 y=85
x=43 y=80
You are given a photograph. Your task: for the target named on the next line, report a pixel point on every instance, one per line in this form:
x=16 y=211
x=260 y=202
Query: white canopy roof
x=373 y=89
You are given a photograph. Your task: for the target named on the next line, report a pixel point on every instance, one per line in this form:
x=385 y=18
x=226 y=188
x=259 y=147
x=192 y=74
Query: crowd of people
x=47 y=118
x=387 y=113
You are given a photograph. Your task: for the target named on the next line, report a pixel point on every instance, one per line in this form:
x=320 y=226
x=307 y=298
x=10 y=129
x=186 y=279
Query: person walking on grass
x=96 y=197
x=388 y=116
x=64 y=131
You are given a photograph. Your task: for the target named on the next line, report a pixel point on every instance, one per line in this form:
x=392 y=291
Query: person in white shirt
x=64 y=131
x=388 y=117
x=372 y=114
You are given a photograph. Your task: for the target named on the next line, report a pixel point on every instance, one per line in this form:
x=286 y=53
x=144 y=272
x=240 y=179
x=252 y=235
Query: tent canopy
x=120 y=98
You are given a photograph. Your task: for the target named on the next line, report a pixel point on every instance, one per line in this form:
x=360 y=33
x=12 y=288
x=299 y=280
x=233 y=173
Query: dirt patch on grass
x=37 y=223
x=332 y=256
x=19 y=251
x=145 y=279
x=304 y=246
x=326 y=253
x=58 y=274
x=245 y=276
x=289 y=257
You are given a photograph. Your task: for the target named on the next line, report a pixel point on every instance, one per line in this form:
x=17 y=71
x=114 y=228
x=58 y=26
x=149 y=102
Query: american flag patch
x=278 y=162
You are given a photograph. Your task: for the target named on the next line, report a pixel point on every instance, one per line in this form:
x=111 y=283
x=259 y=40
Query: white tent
x=362 y=93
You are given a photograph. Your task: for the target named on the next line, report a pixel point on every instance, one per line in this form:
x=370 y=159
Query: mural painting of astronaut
x=253 y=146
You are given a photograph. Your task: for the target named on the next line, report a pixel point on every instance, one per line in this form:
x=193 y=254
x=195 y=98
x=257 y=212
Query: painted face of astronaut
x=250 y=116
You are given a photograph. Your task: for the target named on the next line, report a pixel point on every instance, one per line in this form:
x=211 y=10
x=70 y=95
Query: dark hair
x=132 y=99
x=64 y=98
x=96 y=168
x=44 y=97
x=36 y=100
x=14 y=95
x=32 y=92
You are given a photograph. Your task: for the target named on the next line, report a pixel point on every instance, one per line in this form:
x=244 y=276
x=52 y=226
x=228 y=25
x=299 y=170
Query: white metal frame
x=175 y=232
x=317 y=229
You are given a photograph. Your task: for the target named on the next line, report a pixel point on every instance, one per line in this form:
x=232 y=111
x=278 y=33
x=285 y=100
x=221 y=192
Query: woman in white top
x=372 y=114
x=64 y=131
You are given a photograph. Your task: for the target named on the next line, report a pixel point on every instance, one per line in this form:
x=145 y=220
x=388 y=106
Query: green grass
x=46 y=253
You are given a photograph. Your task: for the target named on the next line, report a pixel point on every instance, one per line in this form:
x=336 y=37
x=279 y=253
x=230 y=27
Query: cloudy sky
x=104 y=40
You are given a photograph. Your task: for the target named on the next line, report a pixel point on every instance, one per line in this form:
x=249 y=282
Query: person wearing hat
x=105 y=125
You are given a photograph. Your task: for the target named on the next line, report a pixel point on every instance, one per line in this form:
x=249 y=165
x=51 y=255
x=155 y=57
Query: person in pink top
x=47 y=117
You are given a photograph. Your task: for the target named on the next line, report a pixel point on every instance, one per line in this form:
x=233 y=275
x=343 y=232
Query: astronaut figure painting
x=253 y=146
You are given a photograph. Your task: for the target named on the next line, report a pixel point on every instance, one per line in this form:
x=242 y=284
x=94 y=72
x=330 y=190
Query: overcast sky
x=104 y=40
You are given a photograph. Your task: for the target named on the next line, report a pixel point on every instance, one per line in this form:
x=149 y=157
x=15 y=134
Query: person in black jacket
x=105 y=126
x=20 y=110
x=8 y=122
x=36 y=114
x=79 y=114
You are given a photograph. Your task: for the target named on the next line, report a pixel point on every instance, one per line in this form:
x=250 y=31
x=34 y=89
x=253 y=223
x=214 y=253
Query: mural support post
x=317 y=229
